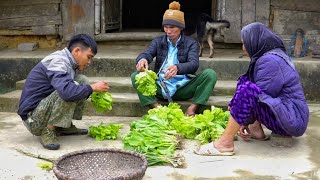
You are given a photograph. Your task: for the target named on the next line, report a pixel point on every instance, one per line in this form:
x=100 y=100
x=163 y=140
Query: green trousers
x=198 y=89
x=55 y=111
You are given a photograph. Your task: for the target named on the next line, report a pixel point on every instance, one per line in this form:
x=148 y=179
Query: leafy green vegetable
x=146 y=82
x=103 y=131
x=205 y=127
x=168 y=113
x=185 y=126
x=45 y=166
x=153 y=137
x=101 y=101
x=158 y=134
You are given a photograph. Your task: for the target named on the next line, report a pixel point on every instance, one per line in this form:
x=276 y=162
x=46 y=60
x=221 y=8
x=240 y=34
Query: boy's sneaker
x=72 y=130
x=48 y=139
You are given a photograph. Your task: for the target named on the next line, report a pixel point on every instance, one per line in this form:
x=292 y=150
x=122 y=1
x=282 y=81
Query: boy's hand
x=101 y=86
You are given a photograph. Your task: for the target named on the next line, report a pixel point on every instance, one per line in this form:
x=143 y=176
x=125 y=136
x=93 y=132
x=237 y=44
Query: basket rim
x=61 y=175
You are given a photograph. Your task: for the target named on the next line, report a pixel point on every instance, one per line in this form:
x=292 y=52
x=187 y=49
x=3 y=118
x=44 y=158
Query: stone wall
x=288 y=15
x=283 y=16
x=46 y=22
x=29 y=21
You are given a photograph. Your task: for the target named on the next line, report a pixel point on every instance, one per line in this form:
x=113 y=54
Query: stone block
x=3 y=45
x=27 y=46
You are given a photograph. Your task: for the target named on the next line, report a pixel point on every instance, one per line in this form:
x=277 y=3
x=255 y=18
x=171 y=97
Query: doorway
x=146 y=15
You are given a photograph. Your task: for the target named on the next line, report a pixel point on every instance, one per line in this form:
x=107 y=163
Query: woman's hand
x=170 y=72
x=245 y=133
x=142 y=65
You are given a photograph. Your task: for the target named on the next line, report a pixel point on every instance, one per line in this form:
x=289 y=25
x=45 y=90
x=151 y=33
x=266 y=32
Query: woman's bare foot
x=191 y=111
x=226 y=142
x=256 y=130
x=253 y=131
x=224 y=145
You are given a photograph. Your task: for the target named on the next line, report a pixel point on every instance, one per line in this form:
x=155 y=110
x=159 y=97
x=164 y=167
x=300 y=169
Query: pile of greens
x=146 y=82
x=153 y=137
x=158 y=134
x=102 y=101
x=205 y=127
x=102 y=131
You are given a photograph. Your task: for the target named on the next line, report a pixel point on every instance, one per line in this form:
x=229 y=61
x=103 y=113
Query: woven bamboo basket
x=98 y=164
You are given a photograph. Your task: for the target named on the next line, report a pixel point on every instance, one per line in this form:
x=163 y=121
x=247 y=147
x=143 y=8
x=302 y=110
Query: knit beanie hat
x=173 y=15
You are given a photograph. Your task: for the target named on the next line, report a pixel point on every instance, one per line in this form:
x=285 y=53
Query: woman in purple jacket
x=270 y=93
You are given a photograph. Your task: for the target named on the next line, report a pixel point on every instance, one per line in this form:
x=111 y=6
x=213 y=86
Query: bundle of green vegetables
x=153 y=137
x=158 y=134
x=103 y=131
x=102 y=101
x=205 y=127
x=146 y=82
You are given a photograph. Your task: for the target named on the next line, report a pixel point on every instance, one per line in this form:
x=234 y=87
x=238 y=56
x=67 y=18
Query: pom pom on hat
x=173 y=15
x=174 y=5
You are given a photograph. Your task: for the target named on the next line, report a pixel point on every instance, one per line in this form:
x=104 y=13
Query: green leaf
x=102 y=131
x=102 y=101
x=146 y=82
x=45 y=166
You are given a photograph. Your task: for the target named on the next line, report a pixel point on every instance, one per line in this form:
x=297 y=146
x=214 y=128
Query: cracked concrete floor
x=253 y=159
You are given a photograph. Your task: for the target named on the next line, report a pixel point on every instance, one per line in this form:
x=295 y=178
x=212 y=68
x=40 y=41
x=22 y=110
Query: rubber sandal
x=210 y=150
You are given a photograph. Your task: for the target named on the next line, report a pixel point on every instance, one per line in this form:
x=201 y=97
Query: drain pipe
x=97 y=16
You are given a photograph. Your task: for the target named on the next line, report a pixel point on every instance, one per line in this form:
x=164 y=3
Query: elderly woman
x=270 y=93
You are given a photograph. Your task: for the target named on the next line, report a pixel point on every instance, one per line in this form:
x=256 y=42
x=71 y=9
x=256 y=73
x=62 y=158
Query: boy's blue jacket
x=55 y=72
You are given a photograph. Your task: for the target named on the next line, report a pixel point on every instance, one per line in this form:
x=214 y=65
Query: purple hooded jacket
x=272 y=70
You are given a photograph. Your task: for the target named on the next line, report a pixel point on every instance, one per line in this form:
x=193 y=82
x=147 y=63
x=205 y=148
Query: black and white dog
x=207 y=28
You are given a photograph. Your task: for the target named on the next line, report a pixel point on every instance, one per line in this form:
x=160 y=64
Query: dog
x=207 y=27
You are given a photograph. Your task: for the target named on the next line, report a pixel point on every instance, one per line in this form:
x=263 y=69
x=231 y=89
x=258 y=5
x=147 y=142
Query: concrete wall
x=288 y=15
x=283 y=16
x=13 y=70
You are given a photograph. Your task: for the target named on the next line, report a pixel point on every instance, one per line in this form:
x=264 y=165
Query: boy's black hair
x=83 y=41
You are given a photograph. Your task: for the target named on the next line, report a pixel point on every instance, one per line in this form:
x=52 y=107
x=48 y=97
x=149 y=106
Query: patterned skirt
x=245 y=107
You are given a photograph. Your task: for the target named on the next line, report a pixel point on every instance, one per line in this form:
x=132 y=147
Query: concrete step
x=227 y=64
x=123 y=85
x=124 y=104
x=145 y=38
x=115 y=61
x=127 y=36
x=120 y=61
